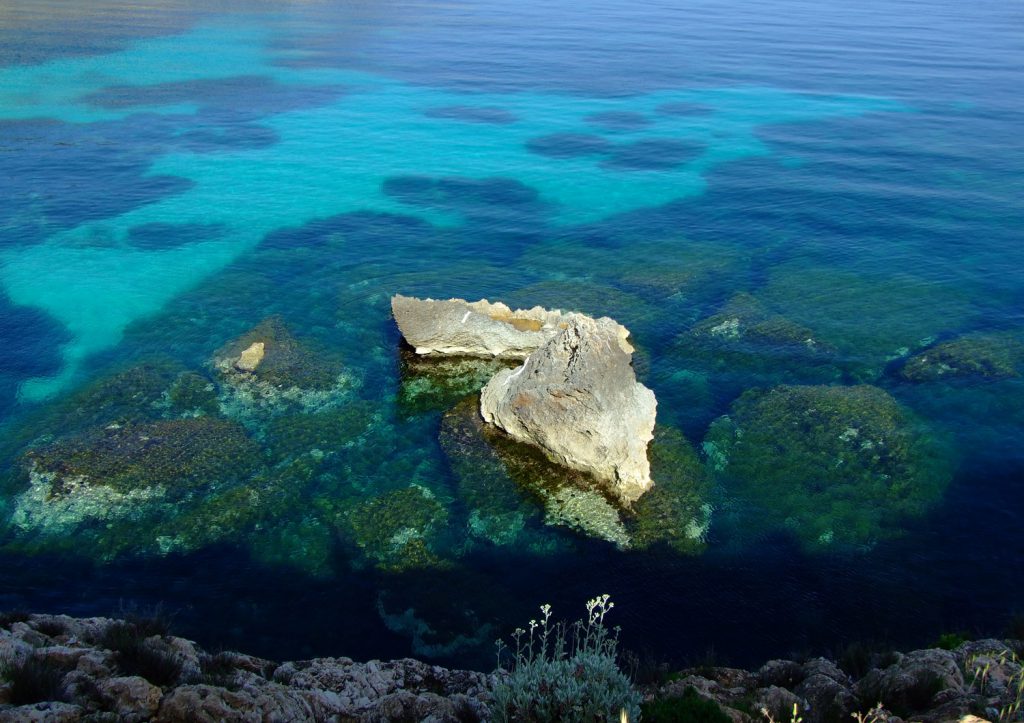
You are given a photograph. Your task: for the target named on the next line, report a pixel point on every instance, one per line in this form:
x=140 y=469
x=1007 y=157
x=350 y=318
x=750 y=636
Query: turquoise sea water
x=763 y=193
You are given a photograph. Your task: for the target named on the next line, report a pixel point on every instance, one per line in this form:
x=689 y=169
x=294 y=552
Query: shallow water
x=176 y=174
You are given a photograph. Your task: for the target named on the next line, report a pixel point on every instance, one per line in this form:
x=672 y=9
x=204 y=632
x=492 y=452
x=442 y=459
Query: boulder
x=827 y=692
x=132 y=698
x=577 y=399
x=251 y=357
x=913 y=683
x=480 y=329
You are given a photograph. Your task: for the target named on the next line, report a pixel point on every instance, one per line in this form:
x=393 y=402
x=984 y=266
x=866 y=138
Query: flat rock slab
x=456 y=327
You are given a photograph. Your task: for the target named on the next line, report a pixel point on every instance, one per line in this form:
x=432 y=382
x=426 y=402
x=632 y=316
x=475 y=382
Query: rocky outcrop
x=929 y=686
x=461 y=328
x=59 y=668
x=577 y=399
x=267 y=372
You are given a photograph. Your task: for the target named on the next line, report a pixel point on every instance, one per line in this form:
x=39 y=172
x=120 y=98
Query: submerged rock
x=267 y=371
x=830 y=464
x=744 y=318
x=398 y=530
x=504 y=482
x=498 y=509
x=119 y=471
x=988 y=356
x=460 y=328
x=577 y=399
x=677 y=511
x=436 y=383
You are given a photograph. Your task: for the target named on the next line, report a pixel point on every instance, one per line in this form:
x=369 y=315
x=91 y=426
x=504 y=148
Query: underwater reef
x=987 y=356
x=831 y=465
x=267 y=371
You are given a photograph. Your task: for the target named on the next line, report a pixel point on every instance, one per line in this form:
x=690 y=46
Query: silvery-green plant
x=560 y=672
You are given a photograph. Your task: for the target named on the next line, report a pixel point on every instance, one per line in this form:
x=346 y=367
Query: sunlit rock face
x=576 y=397
x=461 y=328
x=578 y=400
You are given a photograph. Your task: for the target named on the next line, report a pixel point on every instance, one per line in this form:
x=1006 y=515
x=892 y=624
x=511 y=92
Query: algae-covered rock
x=134 y=394
x=193 y=394
x=677 y=510
x=398 y=530
x=120 y=471
x=987 y=356
x=271 y=354
x=433 y=383
x=843 y=465
x=507 y=485
x=498 y=509
x=745 y=319
x=869 y=318
x=322 y=433
x=267 y=371
x=178 y=455
x=745 y=338
x=577 y=399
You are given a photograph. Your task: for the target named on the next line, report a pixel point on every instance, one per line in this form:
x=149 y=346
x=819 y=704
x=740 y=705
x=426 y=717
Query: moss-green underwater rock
x=679 y=269
x=986 y=356
x=744 y=319
x=398 y=530
x=498 y=510
x=267 y=371
x=116 y=471
x=833 y=465
x=322 y=433
x=505 y=483
x=745 y=339
x=437 y=383
x=869 y=318
x=193 y=394
x=178 y=454
x=676 y=512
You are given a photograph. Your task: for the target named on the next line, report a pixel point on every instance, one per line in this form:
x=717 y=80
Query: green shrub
x=565 y=673
x=950 y=641
x=689 y=707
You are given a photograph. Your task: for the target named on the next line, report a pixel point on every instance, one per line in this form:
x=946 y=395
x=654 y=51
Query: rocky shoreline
x=57 y=668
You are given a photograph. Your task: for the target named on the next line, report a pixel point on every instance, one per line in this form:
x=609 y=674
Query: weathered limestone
x=251 y=357
x=461 y=328
x=576 y=396
x=577 y=399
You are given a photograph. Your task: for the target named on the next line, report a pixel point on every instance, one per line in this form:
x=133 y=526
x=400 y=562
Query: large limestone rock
x=577 y=399
x=461 y=328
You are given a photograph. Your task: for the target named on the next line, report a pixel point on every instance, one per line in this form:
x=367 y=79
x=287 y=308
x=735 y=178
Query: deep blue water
x=172 y=174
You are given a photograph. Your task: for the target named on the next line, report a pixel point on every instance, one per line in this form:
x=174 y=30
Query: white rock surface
x=577 y=398
x=456 y=327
